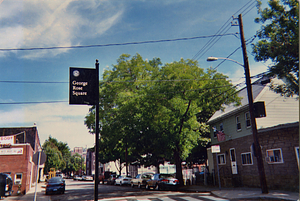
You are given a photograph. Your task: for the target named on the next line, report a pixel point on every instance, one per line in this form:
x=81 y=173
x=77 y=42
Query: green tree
x=54 y=159
x=279 y=42
x=58 y=155
x=118 y=115
x=151 y=114
x=183 y=90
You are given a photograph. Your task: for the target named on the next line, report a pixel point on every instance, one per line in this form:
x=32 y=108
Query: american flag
x=221 y=136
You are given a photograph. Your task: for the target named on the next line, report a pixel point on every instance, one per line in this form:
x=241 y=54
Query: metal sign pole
x=218 y=172
x=97 y=136
x=37 y=174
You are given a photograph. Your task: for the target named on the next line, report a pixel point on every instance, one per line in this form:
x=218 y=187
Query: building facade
x=17 y=149
x=278 y=135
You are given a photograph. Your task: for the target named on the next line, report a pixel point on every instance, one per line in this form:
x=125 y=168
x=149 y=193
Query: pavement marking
x=165 y=198
x=188 y=198
x=212 y=198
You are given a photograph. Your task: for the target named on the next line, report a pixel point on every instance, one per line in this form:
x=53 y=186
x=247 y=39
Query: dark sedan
x=55 y=185
x=162 y=182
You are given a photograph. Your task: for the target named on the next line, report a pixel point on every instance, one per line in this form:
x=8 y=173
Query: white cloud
x=53 y=23
x=62 y=121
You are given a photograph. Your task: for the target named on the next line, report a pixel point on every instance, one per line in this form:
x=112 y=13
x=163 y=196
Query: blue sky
x=56 y=23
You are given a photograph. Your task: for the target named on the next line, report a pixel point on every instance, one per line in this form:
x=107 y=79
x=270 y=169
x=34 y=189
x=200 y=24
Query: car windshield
x=55 y=180
x=166 y=176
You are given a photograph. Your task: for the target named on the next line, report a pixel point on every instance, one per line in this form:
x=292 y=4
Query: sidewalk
x=243 y=192
x=38 y=189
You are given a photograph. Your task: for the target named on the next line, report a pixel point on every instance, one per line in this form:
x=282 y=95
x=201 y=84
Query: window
x=246 y=158
x=18 y=178
x=232 y=154
x=221 y=127
x=274 y=156
x=215 y=131
x=221 y=159
x=238 y=123
x=248 y=120
x=297 y=154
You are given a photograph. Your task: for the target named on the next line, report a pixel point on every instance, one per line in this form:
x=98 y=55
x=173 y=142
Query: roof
x=257 y=88
x=25 y=135
x=279 y=109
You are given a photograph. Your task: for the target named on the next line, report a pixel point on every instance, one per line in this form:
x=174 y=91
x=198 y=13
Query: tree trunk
x=157 y=167
x=126 y=162
x=178 y=167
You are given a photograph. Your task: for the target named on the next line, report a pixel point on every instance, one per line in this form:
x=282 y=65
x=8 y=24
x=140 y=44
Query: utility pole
x=257 y=148
x=97 y=135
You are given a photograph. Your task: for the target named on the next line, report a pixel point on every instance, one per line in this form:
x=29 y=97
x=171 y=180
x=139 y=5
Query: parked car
x=141 y=180
x=162 y=181
x=103 y=177
x=77 y=177
x=5 y=184
x=121 y=180
x=112 y=179
x=55 y=185
x=87 y=178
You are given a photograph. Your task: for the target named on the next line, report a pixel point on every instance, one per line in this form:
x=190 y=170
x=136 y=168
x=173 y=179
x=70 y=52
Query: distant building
x=83 y=153
x=17 y=147
x=90 y=162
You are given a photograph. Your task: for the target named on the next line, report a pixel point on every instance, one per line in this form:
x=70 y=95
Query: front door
x=233 y=161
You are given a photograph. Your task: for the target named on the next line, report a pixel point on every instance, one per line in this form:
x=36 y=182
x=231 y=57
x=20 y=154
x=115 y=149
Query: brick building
x=17 y=147
x=278 y=135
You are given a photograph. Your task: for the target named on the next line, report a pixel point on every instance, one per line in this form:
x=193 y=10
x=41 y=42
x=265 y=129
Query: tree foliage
x=151 y=113
x=59 y=156
x=279 y=42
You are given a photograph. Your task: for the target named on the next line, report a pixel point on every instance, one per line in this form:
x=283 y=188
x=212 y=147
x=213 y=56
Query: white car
x=121 y=180
x=87 y=178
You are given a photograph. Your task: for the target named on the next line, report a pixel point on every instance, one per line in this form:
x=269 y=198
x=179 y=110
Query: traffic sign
x=35 y=158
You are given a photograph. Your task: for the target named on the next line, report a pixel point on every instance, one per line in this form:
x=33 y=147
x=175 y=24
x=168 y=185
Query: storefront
x=17 y=147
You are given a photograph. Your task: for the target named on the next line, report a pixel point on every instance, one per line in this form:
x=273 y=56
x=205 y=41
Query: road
x=84 y=190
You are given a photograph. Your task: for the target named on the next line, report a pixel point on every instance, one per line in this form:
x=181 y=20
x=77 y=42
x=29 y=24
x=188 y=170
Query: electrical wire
x=101 y=81
x=248 y=41
x=212 y=41
x=171 y=92
x=237 y=85
x=113 y=44
x=31 y=82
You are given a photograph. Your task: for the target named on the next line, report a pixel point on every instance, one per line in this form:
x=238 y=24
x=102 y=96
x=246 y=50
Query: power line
x=113 y=44
x=171 y=92
x=123 y=81
x=32 y=82
x=22 y=103
x=248 y=41
x=212 y=41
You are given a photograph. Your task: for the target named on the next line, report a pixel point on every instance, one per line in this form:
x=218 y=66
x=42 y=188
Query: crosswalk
x=169 y=197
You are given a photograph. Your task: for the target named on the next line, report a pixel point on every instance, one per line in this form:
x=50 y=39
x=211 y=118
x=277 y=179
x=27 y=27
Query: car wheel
x=157 y=187
x=132 y=185
x=139 y=185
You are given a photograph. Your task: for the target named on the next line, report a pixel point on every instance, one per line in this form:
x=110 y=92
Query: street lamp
x=257 y=147
x=216 y=58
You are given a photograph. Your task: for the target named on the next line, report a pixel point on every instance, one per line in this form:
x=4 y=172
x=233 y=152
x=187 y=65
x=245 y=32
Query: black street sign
x=83 y=86
x=35 y=158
